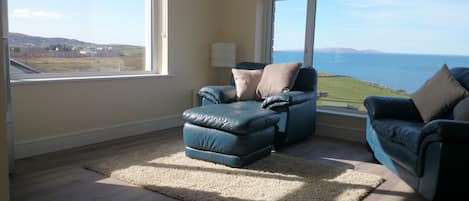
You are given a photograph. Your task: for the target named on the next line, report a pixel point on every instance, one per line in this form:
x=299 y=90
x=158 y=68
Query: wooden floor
x=60 y=177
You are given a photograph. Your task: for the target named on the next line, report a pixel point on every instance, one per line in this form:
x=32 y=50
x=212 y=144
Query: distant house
x=88 y=51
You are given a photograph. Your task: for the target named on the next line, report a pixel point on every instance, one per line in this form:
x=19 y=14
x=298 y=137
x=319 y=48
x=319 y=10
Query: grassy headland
x=346 y=91
x=84 y=64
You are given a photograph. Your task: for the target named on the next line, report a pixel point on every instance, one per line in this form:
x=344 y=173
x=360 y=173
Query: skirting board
x=81 y=138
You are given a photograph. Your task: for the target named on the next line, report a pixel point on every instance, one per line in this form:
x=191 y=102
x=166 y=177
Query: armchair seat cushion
x=406 y=133
x=239 y=118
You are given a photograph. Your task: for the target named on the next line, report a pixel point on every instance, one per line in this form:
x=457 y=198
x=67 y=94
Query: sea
x=396 y=71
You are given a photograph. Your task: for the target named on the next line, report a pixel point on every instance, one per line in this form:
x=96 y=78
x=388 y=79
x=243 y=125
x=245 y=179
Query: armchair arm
x=447 y=129
x=287 y=99
x=380 y=107
x=219 y=94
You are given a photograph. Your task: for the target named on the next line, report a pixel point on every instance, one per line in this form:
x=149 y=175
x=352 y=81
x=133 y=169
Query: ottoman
x=235 y=134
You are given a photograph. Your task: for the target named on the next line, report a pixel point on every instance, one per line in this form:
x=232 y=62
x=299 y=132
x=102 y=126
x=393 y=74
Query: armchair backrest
x=307 y=79
x=247 y=66
x=462 y=75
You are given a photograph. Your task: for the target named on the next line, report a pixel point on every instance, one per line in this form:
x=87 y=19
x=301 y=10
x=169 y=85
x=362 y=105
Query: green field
x=345 y=91
x=84 y=64
x=129 y=50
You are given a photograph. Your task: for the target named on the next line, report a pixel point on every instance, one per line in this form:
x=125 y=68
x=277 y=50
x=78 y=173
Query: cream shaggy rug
x=165 y=169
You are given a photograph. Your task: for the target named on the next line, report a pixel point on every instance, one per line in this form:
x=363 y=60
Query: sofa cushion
x=246 y=82
x=239 y=118
x=278 y=78
x=438 y=95
x=461 y=111
x=406 y=133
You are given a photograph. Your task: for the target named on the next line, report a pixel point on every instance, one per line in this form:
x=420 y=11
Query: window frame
x=308 y=50
x=155 y=51
x=309 y=34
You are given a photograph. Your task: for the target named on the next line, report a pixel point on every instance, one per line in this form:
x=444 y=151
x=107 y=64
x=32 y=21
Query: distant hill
x=26 y=41
x=346 y=50
x=23 y=40
x=338 y=50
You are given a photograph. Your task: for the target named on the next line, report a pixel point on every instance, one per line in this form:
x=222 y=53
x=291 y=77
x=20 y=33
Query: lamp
x=224 y=55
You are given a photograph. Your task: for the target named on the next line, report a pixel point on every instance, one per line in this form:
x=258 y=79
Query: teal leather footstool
x=235 y=134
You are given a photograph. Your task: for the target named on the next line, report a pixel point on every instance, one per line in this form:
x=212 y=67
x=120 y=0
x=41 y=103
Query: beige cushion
x=278 y=78
x=246 y=83
x=461 y=111
x=438 y=94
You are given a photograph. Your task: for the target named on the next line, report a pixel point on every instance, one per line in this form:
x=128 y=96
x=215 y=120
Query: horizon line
x=377 y=52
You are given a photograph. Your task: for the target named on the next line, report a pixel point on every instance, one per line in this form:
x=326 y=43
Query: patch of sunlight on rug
x=166 y=169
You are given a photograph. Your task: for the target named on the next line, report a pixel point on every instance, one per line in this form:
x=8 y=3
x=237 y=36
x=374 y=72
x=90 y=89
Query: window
x=57 y=38
x=289 y=35
x=363 y=48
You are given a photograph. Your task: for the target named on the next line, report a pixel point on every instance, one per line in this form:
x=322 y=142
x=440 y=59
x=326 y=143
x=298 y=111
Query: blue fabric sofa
x=431 y=157
x=297 y=108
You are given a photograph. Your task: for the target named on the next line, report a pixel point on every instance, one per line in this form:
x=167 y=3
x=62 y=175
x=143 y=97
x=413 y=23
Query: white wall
x=45 y=111
x=54 y=115
x=241 y=25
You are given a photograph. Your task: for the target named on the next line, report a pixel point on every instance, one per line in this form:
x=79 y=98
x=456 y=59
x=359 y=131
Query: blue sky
x=412 y=26
x=408 y=26
x=99 y=21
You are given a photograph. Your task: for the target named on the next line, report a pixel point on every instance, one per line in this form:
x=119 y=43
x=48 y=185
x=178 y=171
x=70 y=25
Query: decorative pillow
x=438 y=94
x=246 y=83
x=461 y=111
x=278 y=78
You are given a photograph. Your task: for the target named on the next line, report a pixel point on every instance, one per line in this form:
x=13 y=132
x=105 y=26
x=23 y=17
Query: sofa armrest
x=287 y=99
x=444 y=131
x=219 y=94
x=380 y=107
x=447 y=129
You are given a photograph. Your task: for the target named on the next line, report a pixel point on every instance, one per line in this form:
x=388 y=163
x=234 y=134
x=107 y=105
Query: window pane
x=289 y=30
x=385 y=48
x=77 y=36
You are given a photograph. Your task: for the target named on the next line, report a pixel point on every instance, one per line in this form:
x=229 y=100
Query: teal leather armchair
x=297 y=108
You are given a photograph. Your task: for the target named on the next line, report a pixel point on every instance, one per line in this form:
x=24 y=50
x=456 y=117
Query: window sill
x=354 y=114
x=30 y=81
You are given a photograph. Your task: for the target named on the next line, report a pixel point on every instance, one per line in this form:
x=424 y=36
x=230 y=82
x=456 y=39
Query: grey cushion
x=461 y=111
x=438 y=95
x=246 y=83
x=278 y=78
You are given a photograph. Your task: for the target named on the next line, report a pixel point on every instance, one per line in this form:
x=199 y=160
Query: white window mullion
x=149 y=35
x=269 y=30
x=310 y=28
x=162 y=37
